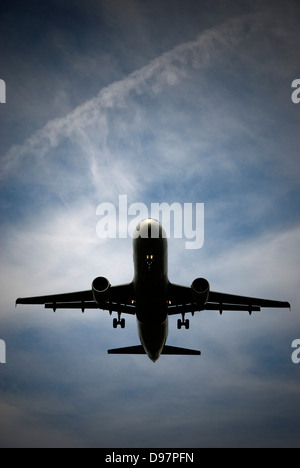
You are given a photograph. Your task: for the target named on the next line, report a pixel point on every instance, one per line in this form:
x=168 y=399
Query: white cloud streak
x=116 y=141
x=163 y=72
x=111 y=400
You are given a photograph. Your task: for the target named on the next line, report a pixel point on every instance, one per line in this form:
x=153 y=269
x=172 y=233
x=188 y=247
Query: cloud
x=61 y=386
x=196 y=124
x=180 y=113
x=161 y=73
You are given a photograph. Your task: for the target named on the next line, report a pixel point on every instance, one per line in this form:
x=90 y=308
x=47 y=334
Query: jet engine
x=200 y=291
x=100 y=289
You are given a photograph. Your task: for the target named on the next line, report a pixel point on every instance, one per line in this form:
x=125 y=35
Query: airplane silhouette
x=151 y=297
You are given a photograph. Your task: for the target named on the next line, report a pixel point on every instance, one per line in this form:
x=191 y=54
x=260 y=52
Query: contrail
x=164 y=71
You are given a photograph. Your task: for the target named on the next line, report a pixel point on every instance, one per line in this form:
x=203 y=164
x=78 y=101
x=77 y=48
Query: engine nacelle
x=100 y=289
x=200 y=291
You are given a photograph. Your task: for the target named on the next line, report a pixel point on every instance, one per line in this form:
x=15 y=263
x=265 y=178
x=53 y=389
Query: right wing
x=222 y=298
x=120 y=299
x=181 y=302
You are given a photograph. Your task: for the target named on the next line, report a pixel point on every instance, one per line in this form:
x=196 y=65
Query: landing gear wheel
x=183 y=323
x=117 y=322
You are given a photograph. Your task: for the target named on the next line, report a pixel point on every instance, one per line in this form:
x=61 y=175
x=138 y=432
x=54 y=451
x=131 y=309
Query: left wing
x=120 y=299
x=81 y=296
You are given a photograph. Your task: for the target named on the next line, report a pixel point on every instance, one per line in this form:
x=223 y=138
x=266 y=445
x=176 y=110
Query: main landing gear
x=118 y=321
x=183 y=323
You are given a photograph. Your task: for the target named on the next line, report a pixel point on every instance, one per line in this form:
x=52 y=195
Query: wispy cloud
x=208 y=121
x=175 y=112
x=161 y=73
x=244 y=374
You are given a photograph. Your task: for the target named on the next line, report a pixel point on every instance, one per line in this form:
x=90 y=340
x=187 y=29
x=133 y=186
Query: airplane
x=151 y=297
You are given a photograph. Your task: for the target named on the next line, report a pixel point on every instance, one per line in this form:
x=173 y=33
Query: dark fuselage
x=151 y=283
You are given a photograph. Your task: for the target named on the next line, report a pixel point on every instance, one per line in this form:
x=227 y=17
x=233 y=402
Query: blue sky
x=169 y=101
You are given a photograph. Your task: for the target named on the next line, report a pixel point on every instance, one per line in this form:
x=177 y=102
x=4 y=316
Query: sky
x=162 y=101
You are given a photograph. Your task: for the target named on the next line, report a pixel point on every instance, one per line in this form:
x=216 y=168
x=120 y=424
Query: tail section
x=129 y=350
x=172 y=350
x=167 y=350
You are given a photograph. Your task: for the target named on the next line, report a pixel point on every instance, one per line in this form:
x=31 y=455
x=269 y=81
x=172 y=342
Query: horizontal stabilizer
x=173 y=350
x=167 y=350
x=129 y=350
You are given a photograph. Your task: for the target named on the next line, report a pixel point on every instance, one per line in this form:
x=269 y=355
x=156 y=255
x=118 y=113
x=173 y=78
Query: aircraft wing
x=221 y=298
x=181 y=302
x=81 y=296
x=120 y=300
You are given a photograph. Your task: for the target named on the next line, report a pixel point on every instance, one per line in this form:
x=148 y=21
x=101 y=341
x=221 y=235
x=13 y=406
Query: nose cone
x=150 y=229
